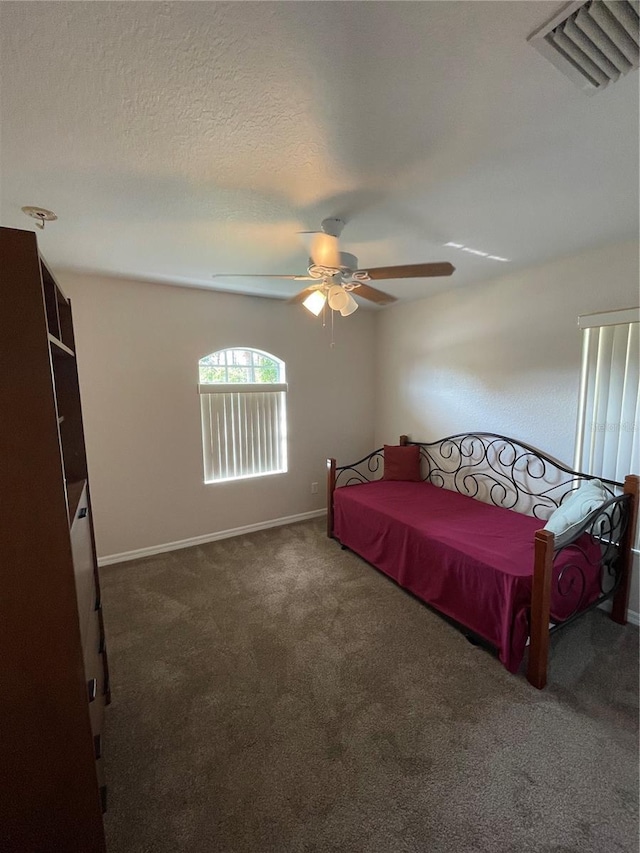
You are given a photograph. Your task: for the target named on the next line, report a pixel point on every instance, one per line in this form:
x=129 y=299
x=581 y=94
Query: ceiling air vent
x=594 y=42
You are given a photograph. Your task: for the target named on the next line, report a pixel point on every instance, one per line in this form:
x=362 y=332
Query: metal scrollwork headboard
x=502 y=471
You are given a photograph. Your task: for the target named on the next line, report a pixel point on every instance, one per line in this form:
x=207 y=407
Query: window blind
x=608 y=416
x=244 y=430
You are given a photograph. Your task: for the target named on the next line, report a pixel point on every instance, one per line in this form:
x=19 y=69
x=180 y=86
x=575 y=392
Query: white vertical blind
x=609 y=418
x=244 y=430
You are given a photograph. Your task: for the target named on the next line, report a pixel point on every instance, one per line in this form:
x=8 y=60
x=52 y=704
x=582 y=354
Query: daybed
x=466 y=534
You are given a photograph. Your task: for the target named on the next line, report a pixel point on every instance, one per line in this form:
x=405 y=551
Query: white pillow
x=567 y=519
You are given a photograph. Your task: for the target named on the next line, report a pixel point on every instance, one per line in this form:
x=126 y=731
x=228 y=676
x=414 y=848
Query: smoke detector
x=40 y=214
x=593 y=43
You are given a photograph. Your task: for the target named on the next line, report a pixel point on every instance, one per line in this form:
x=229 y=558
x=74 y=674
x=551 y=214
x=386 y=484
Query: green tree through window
x=240 y=365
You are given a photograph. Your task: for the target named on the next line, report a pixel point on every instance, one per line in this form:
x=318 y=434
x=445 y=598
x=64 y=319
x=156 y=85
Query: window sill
x=244 y=477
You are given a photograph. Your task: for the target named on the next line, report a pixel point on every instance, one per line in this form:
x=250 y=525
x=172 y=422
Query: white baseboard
x=125 y=556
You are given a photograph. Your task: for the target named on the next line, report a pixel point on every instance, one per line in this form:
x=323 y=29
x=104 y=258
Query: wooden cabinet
x=54 y=678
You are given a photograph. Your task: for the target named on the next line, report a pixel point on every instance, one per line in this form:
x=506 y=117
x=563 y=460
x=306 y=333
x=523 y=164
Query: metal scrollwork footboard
x=606 y=527
x=365 y=470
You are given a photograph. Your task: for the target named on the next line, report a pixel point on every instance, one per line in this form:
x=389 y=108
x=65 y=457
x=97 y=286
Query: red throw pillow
x=401 y=462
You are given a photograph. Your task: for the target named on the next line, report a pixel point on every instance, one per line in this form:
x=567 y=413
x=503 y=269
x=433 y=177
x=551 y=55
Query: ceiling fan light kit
x=337 y=297
x=350 y=306
x=315 y=302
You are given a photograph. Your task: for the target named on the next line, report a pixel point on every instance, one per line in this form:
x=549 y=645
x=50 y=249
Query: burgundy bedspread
x=470 y=560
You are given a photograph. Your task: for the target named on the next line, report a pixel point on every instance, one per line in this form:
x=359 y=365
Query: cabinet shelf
x=58 y=348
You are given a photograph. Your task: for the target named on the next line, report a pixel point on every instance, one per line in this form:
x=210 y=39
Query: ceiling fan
x=336 y=275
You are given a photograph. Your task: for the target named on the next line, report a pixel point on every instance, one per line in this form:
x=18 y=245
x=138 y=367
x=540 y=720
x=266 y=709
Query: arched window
x=244 y=419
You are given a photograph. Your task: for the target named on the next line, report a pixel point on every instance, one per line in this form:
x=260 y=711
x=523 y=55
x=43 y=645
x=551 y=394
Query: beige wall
x=503 y=356
x=138 y=347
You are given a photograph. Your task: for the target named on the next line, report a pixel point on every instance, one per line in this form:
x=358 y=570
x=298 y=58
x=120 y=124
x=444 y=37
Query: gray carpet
x=274 y=694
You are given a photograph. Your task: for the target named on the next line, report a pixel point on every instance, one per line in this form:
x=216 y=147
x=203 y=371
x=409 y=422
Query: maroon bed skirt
x=470 y=560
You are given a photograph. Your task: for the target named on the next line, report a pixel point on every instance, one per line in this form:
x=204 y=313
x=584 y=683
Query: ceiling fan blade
x=307 y=238
x=300 y=297
x=323 y=249
x=258 y=275
x=410 y=271
x=372 y=294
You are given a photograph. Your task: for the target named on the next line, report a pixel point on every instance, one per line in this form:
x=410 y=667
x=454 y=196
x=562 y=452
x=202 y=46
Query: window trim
x=609 y=318
x=241 y=387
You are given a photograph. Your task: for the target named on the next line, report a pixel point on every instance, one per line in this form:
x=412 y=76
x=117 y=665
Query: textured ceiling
x=176 y=140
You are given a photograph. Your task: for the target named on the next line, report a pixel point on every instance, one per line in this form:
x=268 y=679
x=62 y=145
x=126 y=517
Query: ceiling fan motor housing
x=348 y=264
